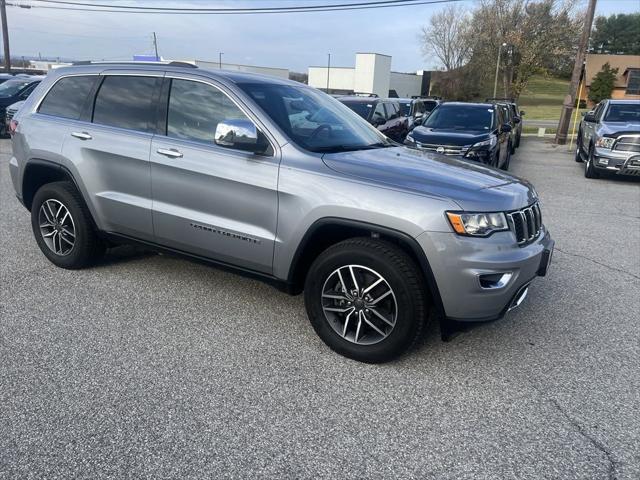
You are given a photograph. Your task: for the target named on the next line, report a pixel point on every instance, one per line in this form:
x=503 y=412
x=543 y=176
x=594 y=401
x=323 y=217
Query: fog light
x=603 y=161
x=493 y=281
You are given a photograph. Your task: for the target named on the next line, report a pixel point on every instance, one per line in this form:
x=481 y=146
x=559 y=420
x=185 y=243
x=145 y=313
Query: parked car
x=11 y=111
x=609 y=139
x=384 y=114
x=516 y=114
x=430 y=104
x=14 y=90
x=510 y=119
x=215 y=166
x=412 y=108
x=472 y=131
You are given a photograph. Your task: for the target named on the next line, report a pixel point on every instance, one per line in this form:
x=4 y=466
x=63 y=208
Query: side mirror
x=590 y=117
x=418 y=115
x=522 y=113
x=516 y=120
x=506 y=128
x=239 y=134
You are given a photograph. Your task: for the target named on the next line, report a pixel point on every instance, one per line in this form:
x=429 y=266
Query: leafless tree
x=446 y=37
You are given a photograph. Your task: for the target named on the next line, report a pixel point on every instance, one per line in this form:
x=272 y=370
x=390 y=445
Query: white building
x=371 y=74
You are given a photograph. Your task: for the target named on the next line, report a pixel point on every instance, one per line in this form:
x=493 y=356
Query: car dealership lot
x=153 y=366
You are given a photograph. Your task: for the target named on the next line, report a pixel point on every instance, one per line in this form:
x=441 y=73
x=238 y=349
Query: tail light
x=13 y=125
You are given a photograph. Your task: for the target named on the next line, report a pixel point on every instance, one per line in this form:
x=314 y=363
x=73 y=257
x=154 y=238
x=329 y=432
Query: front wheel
x=507 y=161
x=63 y=228
x=589 y=169
x=578 y=157
x=366 y=299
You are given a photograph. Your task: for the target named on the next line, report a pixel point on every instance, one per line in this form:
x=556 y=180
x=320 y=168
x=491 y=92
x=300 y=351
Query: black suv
x=15 y=90
x=384 y=114
x=516 y=115
x=473 y=131
x=414 y=109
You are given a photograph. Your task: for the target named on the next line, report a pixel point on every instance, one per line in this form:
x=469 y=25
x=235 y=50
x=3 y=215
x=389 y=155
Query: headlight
x=605 y=142
x=491 y=142
x=477 y=224
x=409 y=140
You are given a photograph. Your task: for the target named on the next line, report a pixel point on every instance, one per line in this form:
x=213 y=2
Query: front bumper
x=460 y=263
x=616 y=161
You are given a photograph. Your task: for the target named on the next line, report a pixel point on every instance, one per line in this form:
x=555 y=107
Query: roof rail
x=135 y=62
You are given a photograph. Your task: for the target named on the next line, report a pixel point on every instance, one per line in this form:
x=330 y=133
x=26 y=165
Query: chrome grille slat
x=526 y=224
x=448 y=149
x=627 y=143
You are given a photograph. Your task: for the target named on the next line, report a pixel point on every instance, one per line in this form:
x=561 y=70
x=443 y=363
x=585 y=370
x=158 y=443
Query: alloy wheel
x=359 y=304
x=56 y=227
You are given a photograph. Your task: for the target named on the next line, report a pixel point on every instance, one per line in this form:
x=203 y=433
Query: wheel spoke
x=358 y=327
x=370 y=323
x=375 y=312
x=53 y=239
x=53 y=216
x=337 y=310
x=50 y=234
x=46 y=225
x=344 y=285
x=370 y=287
x=346 y=322
x=66 y=240
x=384 y=295
x=68 y=232
x=353 y=277
x=44 y=209
x=64 y=217
x=335 y=297
x=59 y=210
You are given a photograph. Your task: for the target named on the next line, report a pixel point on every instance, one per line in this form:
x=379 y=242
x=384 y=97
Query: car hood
x=474 y=187
x=448 y=137
x=611 y=128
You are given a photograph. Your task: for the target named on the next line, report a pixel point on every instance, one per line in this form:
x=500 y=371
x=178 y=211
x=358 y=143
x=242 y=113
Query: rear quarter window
x=68 y=97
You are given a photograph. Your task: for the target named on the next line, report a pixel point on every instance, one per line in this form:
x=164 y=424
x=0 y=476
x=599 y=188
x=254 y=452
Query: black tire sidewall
x=407 y=321
x=81 y=252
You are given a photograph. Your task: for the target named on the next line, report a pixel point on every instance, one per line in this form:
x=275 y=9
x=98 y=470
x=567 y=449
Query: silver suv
x=280 y=181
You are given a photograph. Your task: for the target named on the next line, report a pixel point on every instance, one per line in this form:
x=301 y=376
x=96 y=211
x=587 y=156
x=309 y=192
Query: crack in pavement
x=598 y=263
x=613 y=464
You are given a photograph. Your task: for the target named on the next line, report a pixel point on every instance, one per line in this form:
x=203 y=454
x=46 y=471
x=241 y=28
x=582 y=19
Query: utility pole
x=155 y=45
x=328 y=70
x=495 y=83
x=5 y=36
x=570 y=99
x=220 y=60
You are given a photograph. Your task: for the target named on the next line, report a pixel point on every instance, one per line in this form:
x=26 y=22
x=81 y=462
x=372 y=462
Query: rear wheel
x=63 y=228
x=589 y=169
x=507 y=161
x=366 y=299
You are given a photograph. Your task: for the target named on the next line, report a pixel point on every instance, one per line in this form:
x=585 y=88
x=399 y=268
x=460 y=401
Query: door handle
x=170 y=152
x=81 y=135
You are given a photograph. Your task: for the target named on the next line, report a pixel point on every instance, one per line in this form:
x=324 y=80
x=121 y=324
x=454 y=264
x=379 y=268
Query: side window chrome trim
x=248 y=113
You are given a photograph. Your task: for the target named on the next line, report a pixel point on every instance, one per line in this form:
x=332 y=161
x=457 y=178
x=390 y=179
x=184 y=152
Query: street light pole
x=328 y=70
x=495 y=83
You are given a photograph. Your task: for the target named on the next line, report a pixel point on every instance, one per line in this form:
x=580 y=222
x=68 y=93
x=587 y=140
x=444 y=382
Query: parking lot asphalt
x=152 y=366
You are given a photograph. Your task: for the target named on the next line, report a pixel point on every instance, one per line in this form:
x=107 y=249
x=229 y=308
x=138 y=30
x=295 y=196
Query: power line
x=254 y=11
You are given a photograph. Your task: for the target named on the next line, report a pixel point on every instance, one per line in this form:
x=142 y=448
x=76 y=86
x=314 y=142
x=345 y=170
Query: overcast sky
x=293 y=41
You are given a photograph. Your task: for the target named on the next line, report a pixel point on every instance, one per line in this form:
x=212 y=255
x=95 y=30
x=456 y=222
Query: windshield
x=623 y=112
x=460 y=117
x=11 y=87
x=429 y=105
x=361 y=108
x=313 y=119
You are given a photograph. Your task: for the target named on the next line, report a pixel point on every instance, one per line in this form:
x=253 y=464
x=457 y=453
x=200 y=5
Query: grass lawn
x=543 y=97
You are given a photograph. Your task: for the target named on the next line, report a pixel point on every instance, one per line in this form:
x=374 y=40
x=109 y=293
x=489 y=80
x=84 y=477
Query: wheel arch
x=328 y=231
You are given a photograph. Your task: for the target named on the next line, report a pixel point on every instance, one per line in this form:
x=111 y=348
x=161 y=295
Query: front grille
x=450 y=150
x=628 y=143
x=526 y=224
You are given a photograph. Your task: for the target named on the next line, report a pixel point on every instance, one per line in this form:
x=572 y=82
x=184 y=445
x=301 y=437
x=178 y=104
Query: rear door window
x=378 y=113
x=126 y=101
x=67 y=97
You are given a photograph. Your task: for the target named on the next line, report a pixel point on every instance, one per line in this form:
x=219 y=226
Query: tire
x=518 y=139
x=589 y=169
x=63 y=227
x=507 y=160
x=339 y=329
x=512 y=148
x=578 y=157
